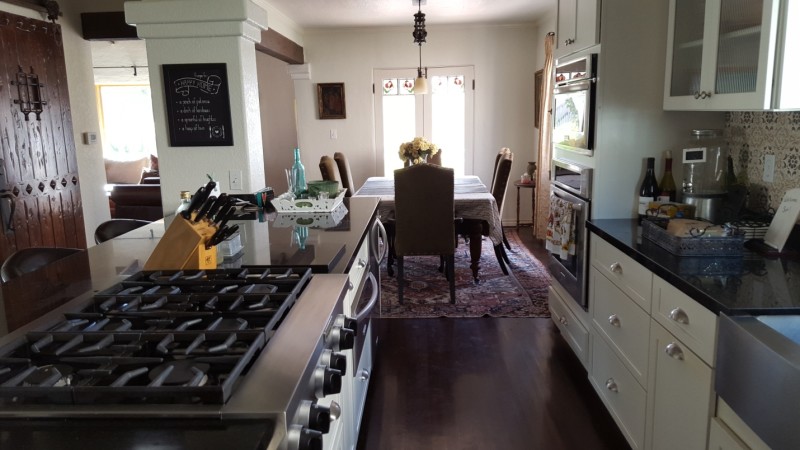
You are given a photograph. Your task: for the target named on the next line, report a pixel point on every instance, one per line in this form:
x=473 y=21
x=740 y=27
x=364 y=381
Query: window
x=444 y=115
x=126 y=116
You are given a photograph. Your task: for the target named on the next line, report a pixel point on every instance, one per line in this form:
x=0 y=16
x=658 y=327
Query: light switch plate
x=89 y=137
x=235 y=179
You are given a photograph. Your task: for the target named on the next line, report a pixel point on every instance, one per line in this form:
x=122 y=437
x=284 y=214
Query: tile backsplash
x=753 y=135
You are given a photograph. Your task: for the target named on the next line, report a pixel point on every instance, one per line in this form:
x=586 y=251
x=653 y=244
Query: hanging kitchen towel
x=560 y=228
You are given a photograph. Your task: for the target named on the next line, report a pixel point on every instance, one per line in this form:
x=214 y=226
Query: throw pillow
x=153 y=163
x=125 y=172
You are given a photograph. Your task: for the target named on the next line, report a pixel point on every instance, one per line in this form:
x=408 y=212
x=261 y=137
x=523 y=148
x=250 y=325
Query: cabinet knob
x=679 y=315
x=614 y=320
x=364 y=375
x=562 y=320
x=335 y=411
x=615 y=268
x=361 y=263
x=611 y=385
x=569 y=41
x=674 y=351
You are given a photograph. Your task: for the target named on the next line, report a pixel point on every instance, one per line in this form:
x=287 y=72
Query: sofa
x=134 y=189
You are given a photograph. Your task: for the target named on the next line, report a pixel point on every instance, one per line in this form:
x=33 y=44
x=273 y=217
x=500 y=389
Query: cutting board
x=784 y=220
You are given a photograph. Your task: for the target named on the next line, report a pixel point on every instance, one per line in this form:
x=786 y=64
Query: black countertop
x=746 y=284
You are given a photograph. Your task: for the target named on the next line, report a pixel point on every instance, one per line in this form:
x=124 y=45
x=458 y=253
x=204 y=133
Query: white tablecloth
x=472 y=201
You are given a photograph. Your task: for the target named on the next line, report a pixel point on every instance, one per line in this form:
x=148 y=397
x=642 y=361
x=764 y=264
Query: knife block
x=184 y=247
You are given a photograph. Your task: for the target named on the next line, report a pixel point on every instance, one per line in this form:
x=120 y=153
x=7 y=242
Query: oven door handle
x=383 y=237
x=360 y=315
x=575 y=206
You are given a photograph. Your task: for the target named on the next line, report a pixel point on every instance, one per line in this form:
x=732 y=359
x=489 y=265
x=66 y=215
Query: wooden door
x=39 y=179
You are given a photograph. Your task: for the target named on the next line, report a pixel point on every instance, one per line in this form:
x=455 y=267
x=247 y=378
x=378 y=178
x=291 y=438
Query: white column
x=196 y=32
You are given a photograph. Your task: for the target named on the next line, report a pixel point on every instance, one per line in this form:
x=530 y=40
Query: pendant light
x=421 y=83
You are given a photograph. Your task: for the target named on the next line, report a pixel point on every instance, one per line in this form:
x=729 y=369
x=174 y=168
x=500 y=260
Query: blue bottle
x=298 y=175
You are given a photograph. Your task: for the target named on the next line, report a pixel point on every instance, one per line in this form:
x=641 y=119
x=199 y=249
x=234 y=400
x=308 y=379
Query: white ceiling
x=113 y=61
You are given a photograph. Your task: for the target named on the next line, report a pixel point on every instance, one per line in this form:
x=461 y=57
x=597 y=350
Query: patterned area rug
x=523 y=293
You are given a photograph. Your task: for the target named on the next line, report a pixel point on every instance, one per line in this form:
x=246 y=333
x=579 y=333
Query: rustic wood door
x=40 y=202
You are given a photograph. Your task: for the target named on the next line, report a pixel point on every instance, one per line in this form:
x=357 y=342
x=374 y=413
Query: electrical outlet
x=334 y=134
x=235 y=178
x=769 y=168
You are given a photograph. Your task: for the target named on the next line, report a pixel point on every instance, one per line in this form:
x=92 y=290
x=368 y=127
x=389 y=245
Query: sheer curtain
x=545 y=141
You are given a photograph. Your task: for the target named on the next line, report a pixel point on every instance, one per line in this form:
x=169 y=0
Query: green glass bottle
x=298 y=175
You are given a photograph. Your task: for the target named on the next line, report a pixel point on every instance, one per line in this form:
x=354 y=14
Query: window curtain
x=545 y=141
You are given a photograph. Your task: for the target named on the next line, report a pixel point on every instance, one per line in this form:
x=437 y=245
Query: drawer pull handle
x=350 y=285
x=611 y=385
x=361 y=263
x=563 y=320
x=364 y=375
x=616 y=268
x=674 y=351
x=614 y=320
x=679 y=315
x=569 y=41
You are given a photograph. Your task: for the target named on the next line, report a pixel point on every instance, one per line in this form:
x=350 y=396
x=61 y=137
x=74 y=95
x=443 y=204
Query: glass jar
x=705 y=157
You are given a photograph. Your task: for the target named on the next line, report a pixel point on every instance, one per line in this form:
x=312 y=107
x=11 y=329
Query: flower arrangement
x=417 y=151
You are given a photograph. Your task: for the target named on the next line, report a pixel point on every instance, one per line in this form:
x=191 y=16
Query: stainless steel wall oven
x=572 y=182
x=574 y=104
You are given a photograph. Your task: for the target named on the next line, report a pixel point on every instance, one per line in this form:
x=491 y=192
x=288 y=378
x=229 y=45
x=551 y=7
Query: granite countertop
x=745 y=284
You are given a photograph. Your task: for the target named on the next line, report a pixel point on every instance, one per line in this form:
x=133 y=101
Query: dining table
x=474 y=206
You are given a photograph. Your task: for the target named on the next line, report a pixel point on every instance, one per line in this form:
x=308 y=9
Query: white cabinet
x=731 y=55
x=722 y=438
x=679 y=395
x=573 y=330
x=578 y=26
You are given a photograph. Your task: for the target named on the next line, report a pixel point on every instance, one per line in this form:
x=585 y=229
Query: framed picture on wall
x=537 y=87
x=330 y=100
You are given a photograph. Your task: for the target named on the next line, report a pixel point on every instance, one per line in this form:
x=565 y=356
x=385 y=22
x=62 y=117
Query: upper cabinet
x=578 y=26
x=732 y=55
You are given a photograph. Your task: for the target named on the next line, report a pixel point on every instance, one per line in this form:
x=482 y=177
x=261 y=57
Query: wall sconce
x=29 y=93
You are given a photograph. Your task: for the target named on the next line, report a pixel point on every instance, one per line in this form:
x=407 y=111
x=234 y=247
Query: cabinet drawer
x=631 y=277
x=689 y=321
x=721 y=438
x=573 y=331
x=361 y=377
x=624 y=324
x=621 y=393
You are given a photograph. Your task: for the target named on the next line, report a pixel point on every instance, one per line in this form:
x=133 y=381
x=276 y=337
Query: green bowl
x=317 y=186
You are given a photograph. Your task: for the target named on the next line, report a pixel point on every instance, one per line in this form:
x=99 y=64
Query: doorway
x=444 y=115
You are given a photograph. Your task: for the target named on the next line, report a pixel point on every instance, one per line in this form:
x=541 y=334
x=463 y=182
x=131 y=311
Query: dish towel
x=560 y=238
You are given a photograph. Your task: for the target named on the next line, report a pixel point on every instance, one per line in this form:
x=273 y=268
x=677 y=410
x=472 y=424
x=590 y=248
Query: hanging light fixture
x=421 y=83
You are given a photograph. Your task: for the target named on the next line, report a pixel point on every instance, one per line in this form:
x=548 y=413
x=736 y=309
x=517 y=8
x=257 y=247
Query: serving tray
x=287 y=203
x=692 y=246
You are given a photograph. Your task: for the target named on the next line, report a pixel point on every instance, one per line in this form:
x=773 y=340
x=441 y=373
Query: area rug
x=523 y=293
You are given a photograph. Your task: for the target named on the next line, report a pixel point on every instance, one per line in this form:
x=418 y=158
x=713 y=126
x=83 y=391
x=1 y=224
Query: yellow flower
x=417 y=150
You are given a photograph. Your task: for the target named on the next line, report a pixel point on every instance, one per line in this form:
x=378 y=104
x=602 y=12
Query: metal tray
x=692 y=246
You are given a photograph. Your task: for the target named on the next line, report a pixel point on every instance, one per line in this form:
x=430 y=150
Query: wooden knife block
x=184 y=247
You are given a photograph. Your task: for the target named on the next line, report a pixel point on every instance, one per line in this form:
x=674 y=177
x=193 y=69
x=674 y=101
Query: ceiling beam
x=280 y=47
x=106 y=26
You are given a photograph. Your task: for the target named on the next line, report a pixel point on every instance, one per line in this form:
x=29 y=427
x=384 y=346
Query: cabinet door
x=578 y=26
x=679 y=394
x=565 y=33
x=721 y=54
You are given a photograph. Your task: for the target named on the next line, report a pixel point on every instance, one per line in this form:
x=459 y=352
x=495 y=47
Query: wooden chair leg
x=400 y=280
x=451 y=276
x=499 y=252
x=505 y=241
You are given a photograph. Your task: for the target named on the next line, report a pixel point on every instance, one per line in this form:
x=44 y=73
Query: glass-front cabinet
x=731 y=55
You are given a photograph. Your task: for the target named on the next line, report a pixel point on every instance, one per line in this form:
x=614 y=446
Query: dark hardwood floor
x=487 y=383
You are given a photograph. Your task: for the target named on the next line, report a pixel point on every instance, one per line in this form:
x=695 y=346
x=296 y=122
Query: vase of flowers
x=417 y=151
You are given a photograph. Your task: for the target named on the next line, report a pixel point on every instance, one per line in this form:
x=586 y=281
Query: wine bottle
x=648 y=191
x=298 y=175
x=667 y=185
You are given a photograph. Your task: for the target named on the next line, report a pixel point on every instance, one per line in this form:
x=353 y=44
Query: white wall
x=505 y=60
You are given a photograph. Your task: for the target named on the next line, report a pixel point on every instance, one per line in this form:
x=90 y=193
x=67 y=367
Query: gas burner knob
x=334 y=360
x=327 y=381
x=302 y=438
x=346 y=322
x=342 y=338
x=315 y=416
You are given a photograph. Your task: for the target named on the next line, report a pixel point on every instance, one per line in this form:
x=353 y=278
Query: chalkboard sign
x=198 y=106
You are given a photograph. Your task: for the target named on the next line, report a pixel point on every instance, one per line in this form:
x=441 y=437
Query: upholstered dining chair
x=327 y=166
x=424 y=215
x=501 y=177
x=116 y=227
x=500 y=154
x=345 y=174
x=30 y=259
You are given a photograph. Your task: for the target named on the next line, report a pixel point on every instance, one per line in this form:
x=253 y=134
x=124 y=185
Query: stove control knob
x=315 y=416
x=302 y=438
x=327 y=381
x=334 y=360
x=346 y=322
x=342 y=338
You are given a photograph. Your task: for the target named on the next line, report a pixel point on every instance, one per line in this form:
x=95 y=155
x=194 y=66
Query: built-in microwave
x=574 y=104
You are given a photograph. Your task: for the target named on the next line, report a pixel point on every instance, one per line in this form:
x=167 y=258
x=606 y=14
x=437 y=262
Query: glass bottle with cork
x=298 y=180
x=668 y=190
x=648 y=190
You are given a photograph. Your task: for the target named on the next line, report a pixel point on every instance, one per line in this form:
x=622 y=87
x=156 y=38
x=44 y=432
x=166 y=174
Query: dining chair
x=424 y=215
x=116 y=227
x=345 y=174
x=500 y=154
x=327 y=166
x=501 y=177
x=28 y=260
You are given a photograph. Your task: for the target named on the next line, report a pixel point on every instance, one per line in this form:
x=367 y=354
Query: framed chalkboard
x=198 y=105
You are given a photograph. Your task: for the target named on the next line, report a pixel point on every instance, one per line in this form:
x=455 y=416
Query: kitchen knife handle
x=197 y=199
x=221 y=200
x=205 y=208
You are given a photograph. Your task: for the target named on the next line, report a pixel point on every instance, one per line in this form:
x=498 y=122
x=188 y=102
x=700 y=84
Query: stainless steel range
x=241 y=358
